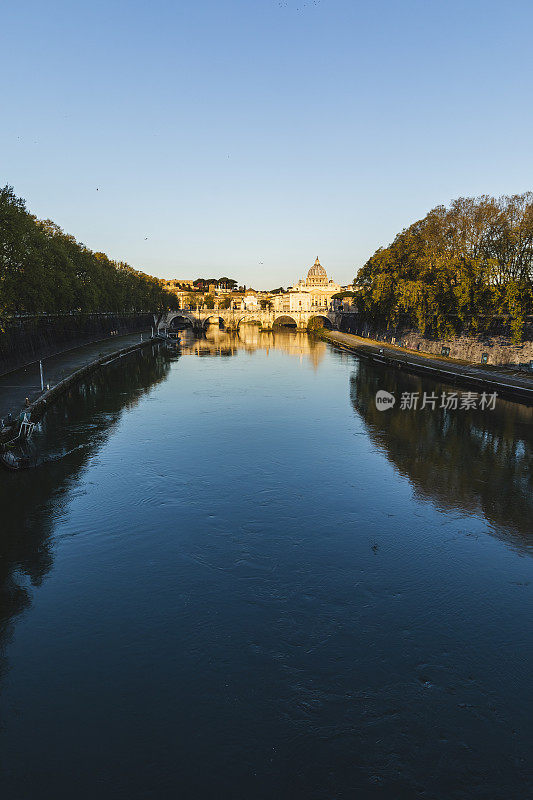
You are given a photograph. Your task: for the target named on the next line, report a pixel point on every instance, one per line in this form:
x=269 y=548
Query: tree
x=43 y=270
x=227 y=283
x=456 y=269
x=224 y=301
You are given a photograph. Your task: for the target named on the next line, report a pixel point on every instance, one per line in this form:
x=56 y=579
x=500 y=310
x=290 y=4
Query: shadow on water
x=72 y=432
x=474 y=461
x=259 y=660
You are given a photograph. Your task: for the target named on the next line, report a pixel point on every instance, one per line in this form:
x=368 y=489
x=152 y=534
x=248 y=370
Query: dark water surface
x=233 y=577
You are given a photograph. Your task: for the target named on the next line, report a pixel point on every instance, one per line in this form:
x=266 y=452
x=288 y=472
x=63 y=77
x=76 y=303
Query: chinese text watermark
x=451 y=401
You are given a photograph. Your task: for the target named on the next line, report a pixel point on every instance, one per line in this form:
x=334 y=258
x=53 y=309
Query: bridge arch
x=180 y=320
x=214 y=319
x=324 y=321
x=285 y=320
x=249 y=319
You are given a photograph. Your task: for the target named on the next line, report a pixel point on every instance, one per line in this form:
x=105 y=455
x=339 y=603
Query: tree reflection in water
x=252 y=587
x=472 y=461
x=72 y=432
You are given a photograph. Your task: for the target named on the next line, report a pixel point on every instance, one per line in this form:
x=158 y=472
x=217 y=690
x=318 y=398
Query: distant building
x=178 y=283
x=313 y=293
x=250 y=302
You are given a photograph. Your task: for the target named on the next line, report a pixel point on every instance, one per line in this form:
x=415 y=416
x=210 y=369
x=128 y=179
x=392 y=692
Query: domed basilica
x=317 y=275
x=309 y=294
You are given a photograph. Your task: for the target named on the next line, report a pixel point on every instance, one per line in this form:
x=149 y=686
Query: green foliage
x=315 y=325
x=223 y=283
x=227 y=283
x=44 y=270
x=456 y=269
x=194 y=299
x=224 y=301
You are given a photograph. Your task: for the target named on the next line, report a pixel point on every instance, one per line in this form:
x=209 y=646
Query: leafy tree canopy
x=44 y=270
x=456 y=269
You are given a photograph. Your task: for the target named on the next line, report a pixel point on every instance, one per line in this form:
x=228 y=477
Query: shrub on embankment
x=44 y=270
x=456 y=270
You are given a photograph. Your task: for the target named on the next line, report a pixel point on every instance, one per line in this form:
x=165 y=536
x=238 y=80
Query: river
x=231 y=576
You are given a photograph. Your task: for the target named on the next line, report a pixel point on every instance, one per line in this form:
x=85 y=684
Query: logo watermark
x=451 y=401
x=384 y=400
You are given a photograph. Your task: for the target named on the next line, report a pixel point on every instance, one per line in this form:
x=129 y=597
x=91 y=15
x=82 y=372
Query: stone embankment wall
x=27 y=339
x=498 y=345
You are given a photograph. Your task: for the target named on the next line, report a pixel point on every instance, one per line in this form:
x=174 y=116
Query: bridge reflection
x=250 y=338
x=74 y=430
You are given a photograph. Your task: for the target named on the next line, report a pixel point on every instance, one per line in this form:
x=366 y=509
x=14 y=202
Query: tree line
x=222 y=283
x=44 y=270
x=456 y=270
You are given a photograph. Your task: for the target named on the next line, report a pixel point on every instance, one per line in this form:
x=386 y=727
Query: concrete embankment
x=39 y=406
x=485 y=378
x=494 y=346
x=25 y=382
x=26 y=339
x=38 y=409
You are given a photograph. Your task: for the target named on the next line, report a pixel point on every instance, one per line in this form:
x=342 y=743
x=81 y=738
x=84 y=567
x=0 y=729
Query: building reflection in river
x=473 y=461
x=218 y=562
x=219 y=342
x=74 y=429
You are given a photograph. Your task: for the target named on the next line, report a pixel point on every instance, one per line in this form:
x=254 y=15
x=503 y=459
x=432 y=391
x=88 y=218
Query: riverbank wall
x=494 y=347
x=508 y=384
x=37 y=410
x=26 y=339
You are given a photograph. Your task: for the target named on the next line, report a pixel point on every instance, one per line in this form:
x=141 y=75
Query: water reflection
x=250 y=338
x=32 y=500
x=226 y=568
x=75 y=428
x=474 y=461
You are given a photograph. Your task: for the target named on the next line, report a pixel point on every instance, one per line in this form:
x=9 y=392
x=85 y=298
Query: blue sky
x=206 y=137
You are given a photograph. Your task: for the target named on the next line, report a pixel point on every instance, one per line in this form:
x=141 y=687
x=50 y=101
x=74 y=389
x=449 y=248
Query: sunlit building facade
x=309 y=294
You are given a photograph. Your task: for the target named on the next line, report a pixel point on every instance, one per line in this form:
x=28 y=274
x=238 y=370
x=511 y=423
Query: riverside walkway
x=25 y=382
x=505 y=382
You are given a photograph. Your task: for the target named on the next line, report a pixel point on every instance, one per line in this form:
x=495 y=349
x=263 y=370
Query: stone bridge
x=231 y=318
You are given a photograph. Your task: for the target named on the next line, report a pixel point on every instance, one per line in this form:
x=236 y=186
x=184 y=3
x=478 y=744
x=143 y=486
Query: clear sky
x=203 y=137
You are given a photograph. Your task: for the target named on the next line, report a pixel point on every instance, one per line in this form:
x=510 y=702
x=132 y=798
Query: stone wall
x=27 y=339
x=498 y=346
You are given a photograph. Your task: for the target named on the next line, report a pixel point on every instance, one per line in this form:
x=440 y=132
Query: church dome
x=317 y=271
